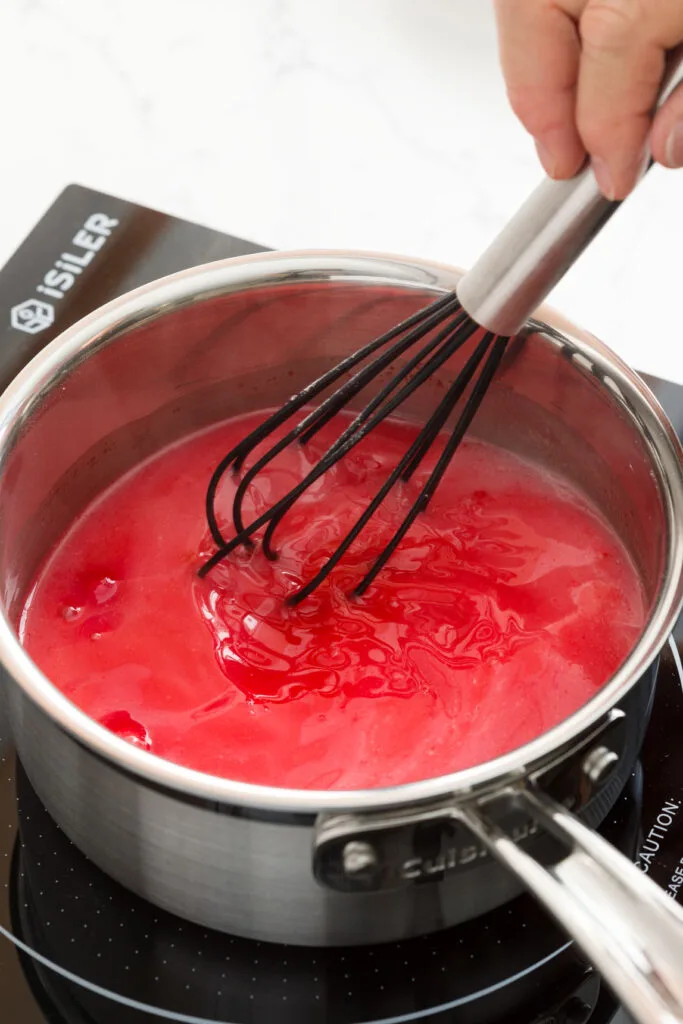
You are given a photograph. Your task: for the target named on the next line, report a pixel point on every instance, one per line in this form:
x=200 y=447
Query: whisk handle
x=543 y=240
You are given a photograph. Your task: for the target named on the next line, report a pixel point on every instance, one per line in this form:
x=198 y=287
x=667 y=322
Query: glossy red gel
x=508 y=605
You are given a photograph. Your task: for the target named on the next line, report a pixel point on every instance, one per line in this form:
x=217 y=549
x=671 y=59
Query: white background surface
x=371 y=124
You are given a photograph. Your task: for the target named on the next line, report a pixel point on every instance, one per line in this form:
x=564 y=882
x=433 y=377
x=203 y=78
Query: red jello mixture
x=506 y=607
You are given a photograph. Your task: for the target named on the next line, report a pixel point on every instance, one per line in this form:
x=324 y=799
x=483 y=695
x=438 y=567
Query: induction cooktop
x=76 y=948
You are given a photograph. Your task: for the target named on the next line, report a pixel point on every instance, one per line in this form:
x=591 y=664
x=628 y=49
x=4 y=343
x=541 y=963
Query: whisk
x=490 y=305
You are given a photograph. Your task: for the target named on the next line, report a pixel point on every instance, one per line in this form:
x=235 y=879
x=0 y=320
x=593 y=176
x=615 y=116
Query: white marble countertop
x=369 y=124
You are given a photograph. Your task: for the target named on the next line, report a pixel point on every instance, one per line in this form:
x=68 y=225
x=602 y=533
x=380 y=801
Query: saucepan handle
x=626 y=924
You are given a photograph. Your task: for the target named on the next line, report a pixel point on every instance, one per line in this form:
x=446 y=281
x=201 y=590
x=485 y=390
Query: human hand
x=583 y=76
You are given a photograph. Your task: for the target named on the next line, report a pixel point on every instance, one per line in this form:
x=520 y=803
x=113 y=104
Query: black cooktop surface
x=76 y=948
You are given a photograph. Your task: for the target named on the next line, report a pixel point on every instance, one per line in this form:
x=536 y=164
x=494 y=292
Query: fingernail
x=604 y=177
x=644 y=163
x=673 y=151
x=546 y=157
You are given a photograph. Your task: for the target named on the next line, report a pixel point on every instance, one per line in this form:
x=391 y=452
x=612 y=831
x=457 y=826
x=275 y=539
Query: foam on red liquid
x=507 y=606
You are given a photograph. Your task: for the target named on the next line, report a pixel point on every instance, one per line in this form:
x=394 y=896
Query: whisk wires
x=451 y=328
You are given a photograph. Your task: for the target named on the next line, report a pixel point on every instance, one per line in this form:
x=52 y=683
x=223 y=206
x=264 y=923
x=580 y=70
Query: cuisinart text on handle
x=35 y=315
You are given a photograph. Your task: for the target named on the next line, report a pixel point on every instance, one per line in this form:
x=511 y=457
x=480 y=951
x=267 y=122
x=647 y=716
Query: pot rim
x=168 y=294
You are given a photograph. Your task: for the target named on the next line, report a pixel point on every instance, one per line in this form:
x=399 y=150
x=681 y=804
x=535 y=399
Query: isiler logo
x=36 y=314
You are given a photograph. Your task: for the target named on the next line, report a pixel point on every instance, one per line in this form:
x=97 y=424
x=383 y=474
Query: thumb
x=666 y=140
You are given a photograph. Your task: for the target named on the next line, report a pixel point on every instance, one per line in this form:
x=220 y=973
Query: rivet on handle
x=599 y=764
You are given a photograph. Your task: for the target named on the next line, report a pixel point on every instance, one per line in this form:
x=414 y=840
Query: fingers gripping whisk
x=436 y=333
x=492 y=303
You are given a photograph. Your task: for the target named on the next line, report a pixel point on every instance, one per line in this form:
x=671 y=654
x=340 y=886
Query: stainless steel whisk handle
x=543 y=240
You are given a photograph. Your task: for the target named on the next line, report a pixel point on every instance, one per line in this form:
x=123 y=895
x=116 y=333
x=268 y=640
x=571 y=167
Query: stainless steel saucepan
x=365 y=866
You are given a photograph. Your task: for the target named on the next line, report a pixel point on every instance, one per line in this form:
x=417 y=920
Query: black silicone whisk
x=490 y=305
x=450 y=328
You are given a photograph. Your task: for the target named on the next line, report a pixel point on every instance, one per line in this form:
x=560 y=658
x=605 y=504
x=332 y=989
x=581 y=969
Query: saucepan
x=339 y=867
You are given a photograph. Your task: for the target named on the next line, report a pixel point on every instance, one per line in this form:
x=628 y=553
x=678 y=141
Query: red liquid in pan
x=507 y=606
